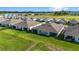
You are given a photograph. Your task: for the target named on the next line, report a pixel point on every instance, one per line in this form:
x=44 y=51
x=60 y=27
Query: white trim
x=36 y=25
x=60 y=31
x=22 y=28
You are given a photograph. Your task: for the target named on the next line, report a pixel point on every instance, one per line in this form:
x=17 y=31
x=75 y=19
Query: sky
x=25 y=9
x=39 y=3
x=44 y=5
x=39 y=9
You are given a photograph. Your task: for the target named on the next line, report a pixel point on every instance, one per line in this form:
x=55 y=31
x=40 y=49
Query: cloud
x=51 y=8
x=65 y=8
x=60 y=8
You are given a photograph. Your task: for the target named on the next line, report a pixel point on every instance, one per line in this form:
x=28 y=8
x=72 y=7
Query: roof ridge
x=53 y=26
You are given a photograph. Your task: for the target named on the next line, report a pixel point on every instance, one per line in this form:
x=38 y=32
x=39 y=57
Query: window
x=69 y=37
x=43 y=32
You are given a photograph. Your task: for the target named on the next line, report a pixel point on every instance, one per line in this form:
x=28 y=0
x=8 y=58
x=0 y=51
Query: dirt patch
x=29 y=49
x=52 y=48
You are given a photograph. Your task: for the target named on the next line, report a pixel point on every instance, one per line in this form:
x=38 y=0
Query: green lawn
x=14 y=40
x=40 y=47
x=68 y=17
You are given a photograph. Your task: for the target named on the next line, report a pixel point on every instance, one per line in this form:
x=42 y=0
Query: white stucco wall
x=19 y=27
x=22 y=28
x=76 y=39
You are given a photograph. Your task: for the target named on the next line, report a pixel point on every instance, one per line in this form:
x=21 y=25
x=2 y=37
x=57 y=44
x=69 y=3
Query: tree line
x=66 y=13
x=50 y=13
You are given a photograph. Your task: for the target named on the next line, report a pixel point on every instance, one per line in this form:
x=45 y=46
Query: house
x=23 y=18
x=29 y=18
x=73 y=22
x=39 y=20
x=72 y=33
x=34 y=19
x=47 y=20
x=4 y=22
x=27 y=25
x=13 y=22
x=49 y=29
x=8 y=15
x=9 y=22
x=50 y=20
x=61 y=21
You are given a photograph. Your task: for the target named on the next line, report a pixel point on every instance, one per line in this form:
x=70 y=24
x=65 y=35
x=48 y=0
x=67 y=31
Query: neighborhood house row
x=71 y=33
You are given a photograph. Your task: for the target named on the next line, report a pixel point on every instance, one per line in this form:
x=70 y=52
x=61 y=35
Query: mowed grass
x=15 y=40
x=10 y=42
x=68 y=17
x=40 y=47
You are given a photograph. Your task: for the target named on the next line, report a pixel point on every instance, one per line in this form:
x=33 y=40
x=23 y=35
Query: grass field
x=68 y=17
x=14 y=40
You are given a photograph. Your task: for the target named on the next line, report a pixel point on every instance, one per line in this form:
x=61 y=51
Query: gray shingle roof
x=73 y=21
x=50 y=27
x=72 y=31
x=14 y=21
x=27 y=23
x=7 y=21
x=63 y=21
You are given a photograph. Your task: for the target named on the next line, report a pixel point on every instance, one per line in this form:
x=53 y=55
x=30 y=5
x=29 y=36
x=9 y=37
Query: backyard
x=15 y=40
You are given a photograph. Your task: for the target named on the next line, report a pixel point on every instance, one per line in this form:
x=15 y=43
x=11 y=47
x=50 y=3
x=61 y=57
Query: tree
x=61 y=13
